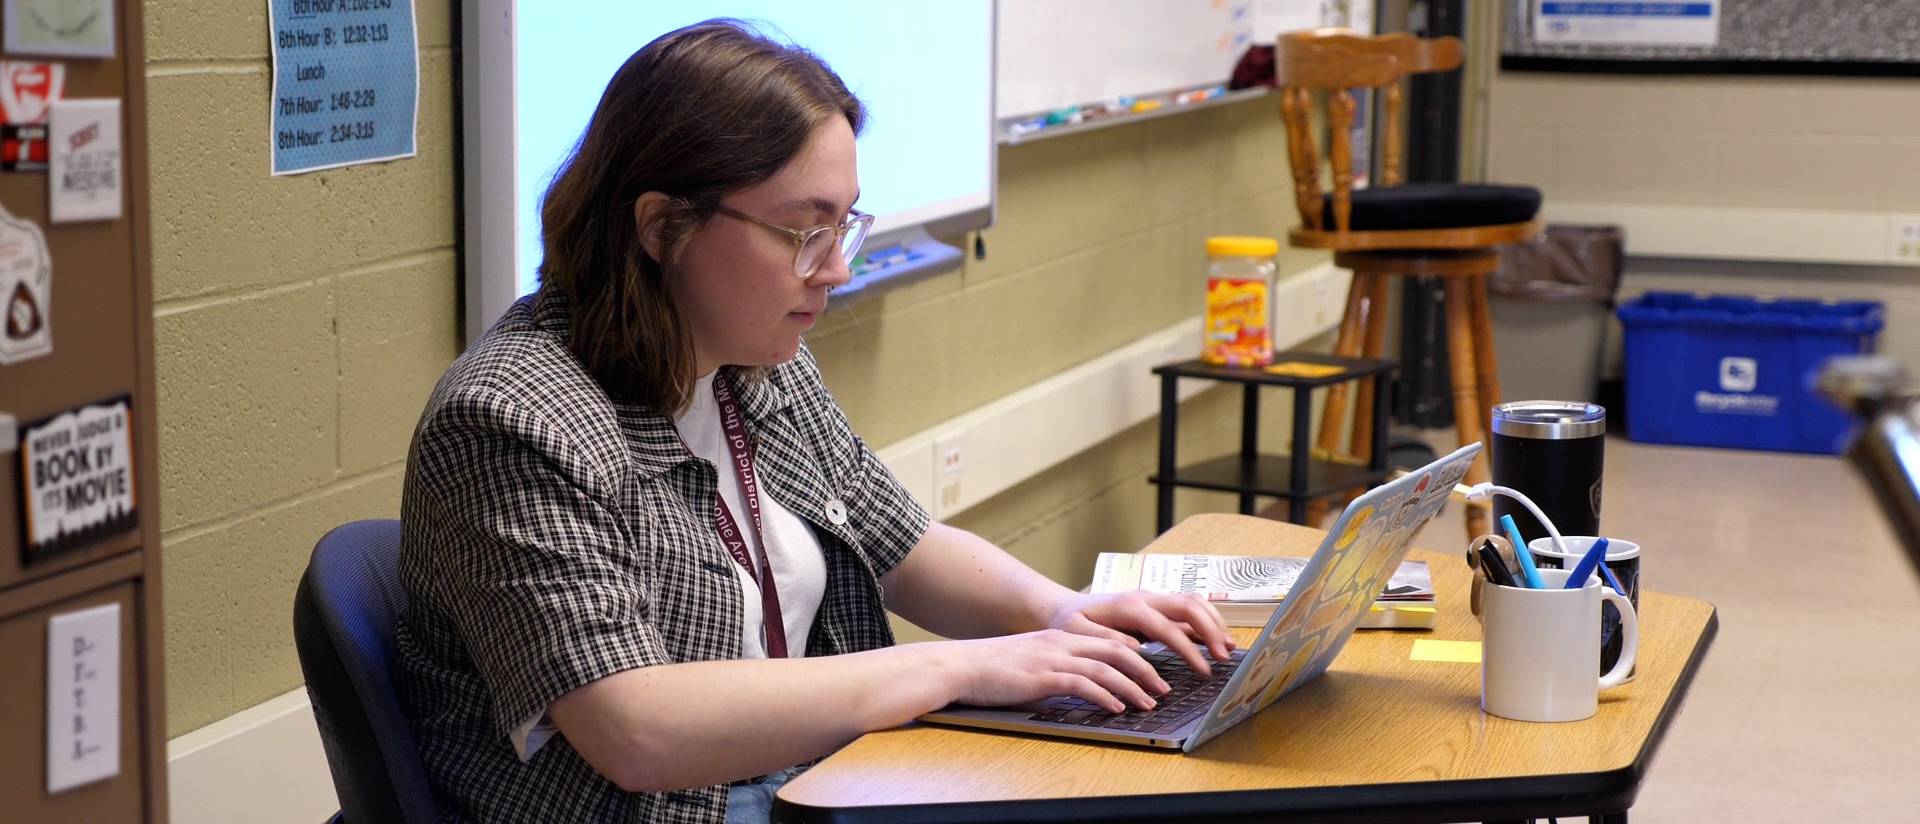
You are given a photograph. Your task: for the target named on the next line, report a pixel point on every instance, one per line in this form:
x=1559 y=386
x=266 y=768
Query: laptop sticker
x=1334 y=592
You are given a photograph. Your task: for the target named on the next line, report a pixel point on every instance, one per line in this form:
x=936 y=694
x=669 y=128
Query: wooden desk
x=1377 y=738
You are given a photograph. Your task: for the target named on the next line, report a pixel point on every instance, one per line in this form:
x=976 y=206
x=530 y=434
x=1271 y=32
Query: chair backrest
x=344 y=614
x=1336 y=62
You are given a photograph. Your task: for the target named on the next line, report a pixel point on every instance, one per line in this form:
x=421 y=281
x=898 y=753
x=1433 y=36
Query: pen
x=1500 y=546
x=1522 y=554
x=1584 y=570
x=1496 y=570
x=1611 y=581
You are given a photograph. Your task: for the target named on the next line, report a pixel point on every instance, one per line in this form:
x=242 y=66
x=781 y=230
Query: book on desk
x=1247 y=589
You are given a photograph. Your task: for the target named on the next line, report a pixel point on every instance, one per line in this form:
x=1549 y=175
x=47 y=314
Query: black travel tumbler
x=1553 y=452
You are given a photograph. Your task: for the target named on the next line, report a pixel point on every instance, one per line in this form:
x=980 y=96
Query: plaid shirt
x=552 y=537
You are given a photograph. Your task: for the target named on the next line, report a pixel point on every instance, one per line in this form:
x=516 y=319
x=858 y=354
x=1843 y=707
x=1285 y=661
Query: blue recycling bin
x=1731 y=371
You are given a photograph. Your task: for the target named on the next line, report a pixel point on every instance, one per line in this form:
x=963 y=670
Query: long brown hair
x=696 y=114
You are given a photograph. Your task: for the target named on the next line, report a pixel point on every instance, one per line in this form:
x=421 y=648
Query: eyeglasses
x=811 y=245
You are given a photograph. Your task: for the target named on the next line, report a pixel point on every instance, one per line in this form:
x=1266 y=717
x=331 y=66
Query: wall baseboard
x=265 y=763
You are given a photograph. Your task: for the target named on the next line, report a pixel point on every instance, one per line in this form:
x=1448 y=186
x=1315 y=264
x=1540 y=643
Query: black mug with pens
x=1621 y=568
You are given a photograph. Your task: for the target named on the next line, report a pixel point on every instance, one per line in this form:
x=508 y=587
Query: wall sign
x=346 y=83
x=77 y=477
x=26 y=290
x=83 y=178
x=60 y=28
x=83 y=697
x=1627 y=22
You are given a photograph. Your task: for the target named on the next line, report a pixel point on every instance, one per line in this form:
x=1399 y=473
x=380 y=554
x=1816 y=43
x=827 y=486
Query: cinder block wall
x=1784 y=142
x=1819 y=143
x=301 y=322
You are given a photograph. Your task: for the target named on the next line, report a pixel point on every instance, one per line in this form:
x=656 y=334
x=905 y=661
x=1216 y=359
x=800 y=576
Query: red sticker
x=28 y=89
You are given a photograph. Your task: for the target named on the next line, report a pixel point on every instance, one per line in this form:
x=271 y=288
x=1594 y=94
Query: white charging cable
x=1486 y=491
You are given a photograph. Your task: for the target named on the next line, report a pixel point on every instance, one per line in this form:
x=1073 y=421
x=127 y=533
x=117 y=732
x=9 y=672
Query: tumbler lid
x=1549 y=420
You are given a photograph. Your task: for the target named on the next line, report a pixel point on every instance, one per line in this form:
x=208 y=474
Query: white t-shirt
x=799 y=564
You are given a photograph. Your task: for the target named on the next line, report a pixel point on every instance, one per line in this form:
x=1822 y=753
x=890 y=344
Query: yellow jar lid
x=1242 y=246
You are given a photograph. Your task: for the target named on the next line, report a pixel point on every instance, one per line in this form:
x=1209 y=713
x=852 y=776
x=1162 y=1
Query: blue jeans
x=752 y=802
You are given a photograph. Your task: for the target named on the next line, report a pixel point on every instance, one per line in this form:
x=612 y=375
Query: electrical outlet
x=1322 y=296
x=1309 y=303
x=949 y=451
x=1903 y=240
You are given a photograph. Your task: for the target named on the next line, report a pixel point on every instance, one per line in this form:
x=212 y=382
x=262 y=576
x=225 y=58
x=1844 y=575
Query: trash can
x=1733 y=371
x=1551 y=302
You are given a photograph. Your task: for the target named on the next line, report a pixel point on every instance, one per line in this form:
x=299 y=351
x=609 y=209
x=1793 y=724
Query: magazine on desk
x=1246 y=589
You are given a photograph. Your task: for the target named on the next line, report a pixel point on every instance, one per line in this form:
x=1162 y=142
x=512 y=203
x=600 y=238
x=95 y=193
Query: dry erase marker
x=1033 y=124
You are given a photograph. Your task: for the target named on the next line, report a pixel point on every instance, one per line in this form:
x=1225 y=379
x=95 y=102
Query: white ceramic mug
x=1538 y=656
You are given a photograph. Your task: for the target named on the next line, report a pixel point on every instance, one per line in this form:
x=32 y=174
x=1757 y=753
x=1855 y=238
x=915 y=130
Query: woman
x=600 y=486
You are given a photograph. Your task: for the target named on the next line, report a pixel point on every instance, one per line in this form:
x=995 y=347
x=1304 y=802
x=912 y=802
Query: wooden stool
x=1448 y=231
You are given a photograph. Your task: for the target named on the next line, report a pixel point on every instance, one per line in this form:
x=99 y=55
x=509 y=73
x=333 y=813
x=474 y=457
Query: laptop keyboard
x=1190 y=698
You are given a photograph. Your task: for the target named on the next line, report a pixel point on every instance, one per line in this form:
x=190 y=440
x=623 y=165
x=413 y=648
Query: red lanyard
x=737 y=446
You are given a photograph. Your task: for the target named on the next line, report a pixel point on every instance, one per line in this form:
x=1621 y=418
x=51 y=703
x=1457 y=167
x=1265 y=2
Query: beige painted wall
x=1765 y=142
x=1826 y=143
x=301 y=322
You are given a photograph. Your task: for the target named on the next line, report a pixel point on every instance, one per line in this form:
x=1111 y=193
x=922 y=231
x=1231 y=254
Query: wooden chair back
x=1336 y=62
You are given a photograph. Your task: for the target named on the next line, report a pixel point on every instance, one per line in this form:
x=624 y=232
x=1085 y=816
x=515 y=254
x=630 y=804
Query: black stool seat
x=1435 y=206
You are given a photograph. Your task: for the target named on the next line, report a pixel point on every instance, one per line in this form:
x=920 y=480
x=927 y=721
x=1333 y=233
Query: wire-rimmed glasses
x=811 y=245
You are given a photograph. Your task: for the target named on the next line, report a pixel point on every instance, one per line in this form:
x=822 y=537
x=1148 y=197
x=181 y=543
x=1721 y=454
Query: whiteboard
x=1056 y=53
x=533 y=74
x=1051 y=54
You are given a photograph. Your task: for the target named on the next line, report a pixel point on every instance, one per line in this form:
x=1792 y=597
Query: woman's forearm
x=960 y=585
x=690 y=725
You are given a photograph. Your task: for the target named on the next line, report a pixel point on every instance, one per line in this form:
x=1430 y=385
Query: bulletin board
x=1781 y=37
x=82 y=705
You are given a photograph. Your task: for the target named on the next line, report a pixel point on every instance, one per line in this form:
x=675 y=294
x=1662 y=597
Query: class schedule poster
x=346 y=83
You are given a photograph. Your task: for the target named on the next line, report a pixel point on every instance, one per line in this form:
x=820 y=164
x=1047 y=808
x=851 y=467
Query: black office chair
x=344 y=614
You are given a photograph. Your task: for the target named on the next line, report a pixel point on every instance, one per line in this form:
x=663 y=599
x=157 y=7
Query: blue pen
x=1522 y=553
x=1584 y=570
x=1607 y=574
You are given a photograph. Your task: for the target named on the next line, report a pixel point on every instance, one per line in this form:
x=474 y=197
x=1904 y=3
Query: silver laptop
x=1332 y=594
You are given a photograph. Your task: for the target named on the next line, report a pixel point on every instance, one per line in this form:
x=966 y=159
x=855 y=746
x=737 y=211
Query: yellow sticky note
x=1449 y=652
x=1296 y=369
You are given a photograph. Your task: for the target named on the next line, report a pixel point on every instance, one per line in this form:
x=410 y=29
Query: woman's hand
x=1015 y=669
x=1175 y=620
